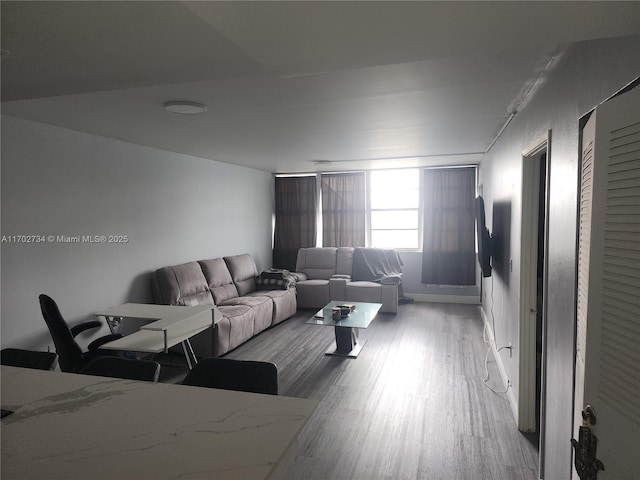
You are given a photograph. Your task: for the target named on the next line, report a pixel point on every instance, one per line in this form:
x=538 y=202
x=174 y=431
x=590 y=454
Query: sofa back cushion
x=183 y=285
x=243 y=272
x=344 y=263
x=218 y=280
x=317 y=263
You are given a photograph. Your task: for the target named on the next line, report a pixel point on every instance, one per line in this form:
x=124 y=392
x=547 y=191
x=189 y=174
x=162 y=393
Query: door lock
x=589 y=415
x=586 y=463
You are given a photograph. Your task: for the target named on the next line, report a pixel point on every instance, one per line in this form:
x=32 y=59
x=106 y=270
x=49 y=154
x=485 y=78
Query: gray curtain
x=343 y=210
x=295 y=222
x=448 y=256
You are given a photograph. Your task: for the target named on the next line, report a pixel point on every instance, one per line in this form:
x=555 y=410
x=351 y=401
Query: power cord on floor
x=486 y=377
x=492 y=345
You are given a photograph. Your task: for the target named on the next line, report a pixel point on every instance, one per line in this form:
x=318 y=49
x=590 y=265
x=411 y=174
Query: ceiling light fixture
x=185 y=108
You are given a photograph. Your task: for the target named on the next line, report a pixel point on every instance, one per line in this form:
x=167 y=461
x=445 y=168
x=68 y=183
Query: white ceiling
x=287 y=84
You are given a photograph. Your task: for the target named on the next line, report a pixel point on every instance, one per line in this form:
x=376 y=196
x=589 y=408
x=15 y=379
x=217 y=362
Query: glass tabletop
x=360 y=317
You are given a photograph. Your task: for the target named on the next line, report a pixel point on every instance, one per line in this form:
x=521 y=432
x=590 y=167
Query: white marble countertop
x=71 y=426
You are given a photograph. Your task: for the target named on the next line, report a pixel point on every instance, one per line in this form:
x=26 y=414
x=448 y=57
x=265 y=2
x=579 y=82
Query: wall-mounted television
x=485 y=241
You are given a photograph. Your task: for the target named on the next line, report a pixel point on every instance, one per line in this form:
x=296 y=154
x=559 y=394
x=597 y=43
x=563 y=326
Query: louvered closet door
x=608 y=298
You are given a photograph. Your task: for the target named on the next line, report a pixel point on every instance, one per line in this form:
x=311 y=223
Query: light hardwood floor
x=411 y=406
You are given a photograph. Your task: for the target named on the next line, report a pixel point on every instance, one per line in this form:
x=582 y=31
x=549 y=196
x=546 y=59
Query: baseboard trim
x=429 y=297
x=513 y=401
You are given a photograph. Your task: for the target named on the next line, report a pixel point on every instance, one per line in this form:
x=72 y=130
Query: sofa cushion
x=344 y=260
x=317 y=263
x=313 y=293
x=262 y=306
x=218 y=280
x=183 y=285
x=243 y=272
x=299 y=276
x=285 y=303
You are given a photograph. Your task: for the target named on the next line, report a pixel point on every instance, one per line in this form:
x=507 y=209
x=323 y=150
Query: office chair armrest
x=77 y=329
x=102 y=340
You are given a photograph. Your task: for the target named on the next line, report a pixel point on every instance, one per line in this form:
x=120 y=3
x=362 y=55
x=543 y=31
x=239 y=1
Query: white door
x=607 y=373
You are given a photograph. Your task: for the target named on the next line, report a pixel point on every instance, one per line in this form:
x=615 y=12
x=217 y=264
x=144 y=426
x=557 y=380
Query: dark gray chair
x=71 y=356
x=130 y=369
x=16 y=357
x=241 y=375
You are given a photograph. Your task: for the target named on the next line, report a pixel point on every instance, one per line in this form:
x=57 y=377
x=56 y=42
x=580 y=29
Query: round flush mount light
x=185 y=108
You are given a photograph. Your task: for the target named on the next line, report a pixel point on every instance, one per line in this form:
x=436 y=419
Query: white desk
x=72 y=426
x=169 y=325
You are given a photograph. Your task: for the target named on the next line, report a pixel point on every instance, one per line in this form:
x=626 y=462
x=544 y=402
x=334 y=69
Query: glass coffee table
x=346 y=328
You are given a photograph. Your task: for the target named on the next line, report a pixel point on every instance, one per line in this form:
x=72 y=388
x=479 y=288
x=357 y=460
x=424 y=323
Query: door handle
x=585 y=461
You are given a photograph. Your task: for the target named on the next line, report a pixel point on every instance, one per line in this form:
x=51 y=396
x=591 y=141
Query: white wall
x=173 y=208
x=581 y=76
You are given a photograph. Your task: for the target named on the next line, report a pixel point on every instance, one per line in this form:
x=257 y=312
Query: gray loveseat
x=230 y=284
x=326 y=274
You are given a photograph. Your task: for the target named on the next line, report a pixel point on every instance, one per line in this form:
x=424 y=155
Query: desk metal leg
x=113 y=323
x=189 y=354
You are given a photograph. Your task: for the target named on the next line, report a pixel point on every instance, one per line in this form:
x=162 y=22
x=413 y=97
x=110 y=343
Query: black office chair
x=71 y=357
x=16 y=357
x=227 y=374
x=130 y=369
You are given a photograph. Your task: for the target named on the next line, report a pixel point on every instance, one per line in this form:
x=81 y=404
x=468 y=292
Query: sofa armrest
x=389 y=297
x=299 y=276
x=341 y=277
x=392 y=280
x=338 y=288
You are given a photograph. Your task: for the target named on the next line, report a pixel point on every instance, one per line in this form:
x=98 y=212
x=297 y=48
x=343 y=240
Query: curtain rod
x=334 y=172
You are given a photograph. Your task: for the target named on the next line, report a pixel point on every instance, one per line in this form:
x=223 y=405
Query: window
x=394 y=208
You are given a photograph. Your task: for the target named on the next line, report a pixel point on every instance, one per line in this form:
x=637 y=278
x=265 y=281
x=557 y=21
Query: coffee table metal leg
x=347 y=344
x=346 y=339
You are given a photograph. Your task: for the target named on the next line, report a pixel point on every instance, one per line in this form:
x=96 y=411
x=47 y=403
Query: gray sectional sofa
x=230 y=284
x=327 y=273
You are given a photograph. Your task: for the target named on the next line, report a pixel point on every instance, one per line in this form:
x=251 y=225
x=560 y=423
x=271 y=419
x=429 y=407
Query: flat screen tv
x=485 y=242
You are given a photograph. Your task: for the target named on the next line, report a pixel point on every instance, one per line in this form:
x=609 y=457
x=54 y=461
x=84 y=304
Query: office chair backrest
x=16 y=357
x=241 y=375
x=69 y=352
x=118 y=367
